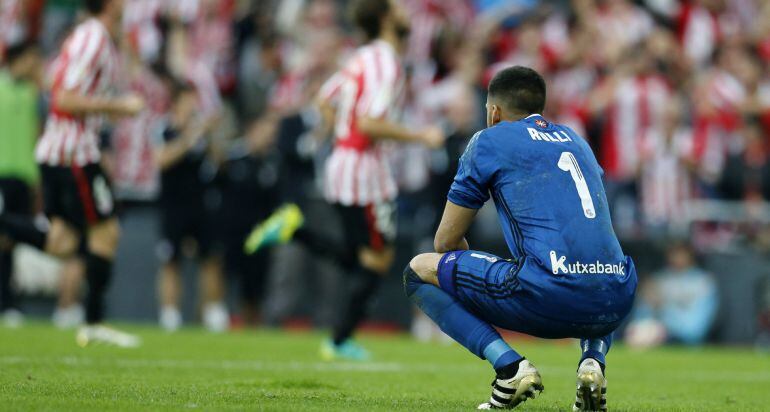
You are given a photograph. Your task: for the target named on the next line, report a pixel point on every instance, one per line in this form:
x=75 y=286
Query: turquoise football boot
x=279 y=228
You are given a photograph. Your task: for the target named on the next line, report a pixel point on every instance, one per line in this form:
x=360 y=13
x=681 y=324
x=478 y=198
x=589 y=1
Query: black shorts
x=81 y=195
x=190 y=220
x=15 y=196
x=372 y=226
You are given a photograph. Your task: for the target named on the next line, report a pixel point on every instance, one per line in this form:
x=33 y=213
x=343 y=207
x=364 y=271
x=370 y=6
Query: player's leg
x=64 y=239
x=102 y=245
x=428 y=280
x=360 y=285
x=14 y=198
x=373 y=265
x=21 y=228
x=289 y=223
x=591 y=383
x=250 y=273
x=596 y=349
x=169 y=295
x=208 y=235
x=421 y=284
x=279 y=228
x=61 y=238
x=98 y=261
x=215 y=315
x=174 y=223
x=7 y=297
x=69 y=312
x=369 y=234
x=96 y=207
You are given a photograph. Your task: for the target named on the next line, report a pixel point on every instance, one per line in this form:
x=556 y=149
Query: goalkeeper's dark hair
x=519 y=89
x=95 y=6
x=368 y=15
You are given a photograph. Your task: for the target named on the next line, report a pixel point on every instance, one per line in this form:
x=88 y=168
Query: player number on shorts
x=568 y=163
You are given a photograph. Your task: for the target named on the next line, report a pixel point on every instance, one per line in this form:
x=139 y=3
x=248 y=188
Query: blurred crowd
x=673 y=95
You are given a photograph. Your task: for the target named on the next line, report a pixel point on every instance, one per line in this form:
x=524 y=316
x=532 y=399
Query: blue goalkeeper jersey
x=548 y=191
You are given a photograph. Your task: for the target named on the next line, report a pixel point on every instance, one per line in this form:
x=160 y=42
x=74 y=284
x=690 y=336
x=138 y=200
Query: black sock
x=22 y=228
x=98 y=273
x=6 y=268
x=362 y=287
x=508 y=371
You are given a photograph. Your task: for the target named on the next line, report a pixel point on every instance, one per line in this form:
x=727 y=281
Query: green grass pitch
x=41 y=368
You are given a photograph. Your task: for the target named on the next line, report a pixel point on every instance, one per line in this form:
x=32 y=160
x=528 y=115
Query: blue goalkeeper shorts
x=489 y=287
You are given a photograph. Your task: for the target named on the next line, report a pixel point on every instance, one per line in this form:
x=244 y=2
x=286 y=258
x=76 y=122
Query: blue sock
x=596 y=348
x=474 y=334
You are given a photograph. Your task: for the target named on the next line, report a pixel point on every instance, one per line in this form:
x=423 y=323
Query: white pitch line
x=376 y=367
x=226 y=364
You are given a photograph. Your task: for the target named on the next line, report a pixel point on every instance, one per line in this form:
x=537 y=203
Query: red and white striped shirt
x=86 y=65
x=699 y=32
x=370 y=84
x=717 y=116
x=12 y=21
x=139 y=24
x=638 y=105
x=135 y=174
x=665 y=181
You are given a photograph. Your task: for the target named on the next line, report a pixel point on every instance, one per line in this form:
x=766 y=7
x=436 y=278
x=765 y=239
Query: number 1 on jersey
x=568 y=163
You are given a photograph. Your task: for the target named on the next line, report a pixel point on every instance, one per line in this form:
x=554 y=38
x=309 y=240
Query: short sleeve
x=383 y=96
x=84 y=58
x=382 y=86
x=475 y=172
x=331 y=87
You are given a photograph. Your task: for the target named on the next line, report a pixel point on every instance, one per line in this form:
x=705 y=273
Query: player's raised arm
x=454 y=225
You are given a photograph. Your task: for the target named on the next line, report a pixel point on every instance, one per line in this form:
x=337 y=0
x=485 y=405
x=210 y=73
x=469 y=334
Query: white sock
x=12 y=318
x=170 y=318
x=68 y=317
x=215 y=317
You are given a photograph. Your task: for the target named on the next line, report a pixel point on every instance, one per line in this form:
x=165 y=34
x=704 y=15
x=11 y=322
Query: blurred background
x=673 y=96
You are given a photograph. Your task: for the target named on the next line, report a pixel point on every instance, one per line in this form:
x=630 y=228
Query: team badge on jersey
x=541 y=123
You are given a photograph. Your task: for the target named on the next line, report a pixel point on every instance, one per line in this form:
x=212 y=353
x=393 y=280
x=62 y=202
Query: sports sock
x=6 y=268
x=596 y=349
x=22 y=228
x=508 y=371
x=362 y=287
x=98 y=273
x=477 y=336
